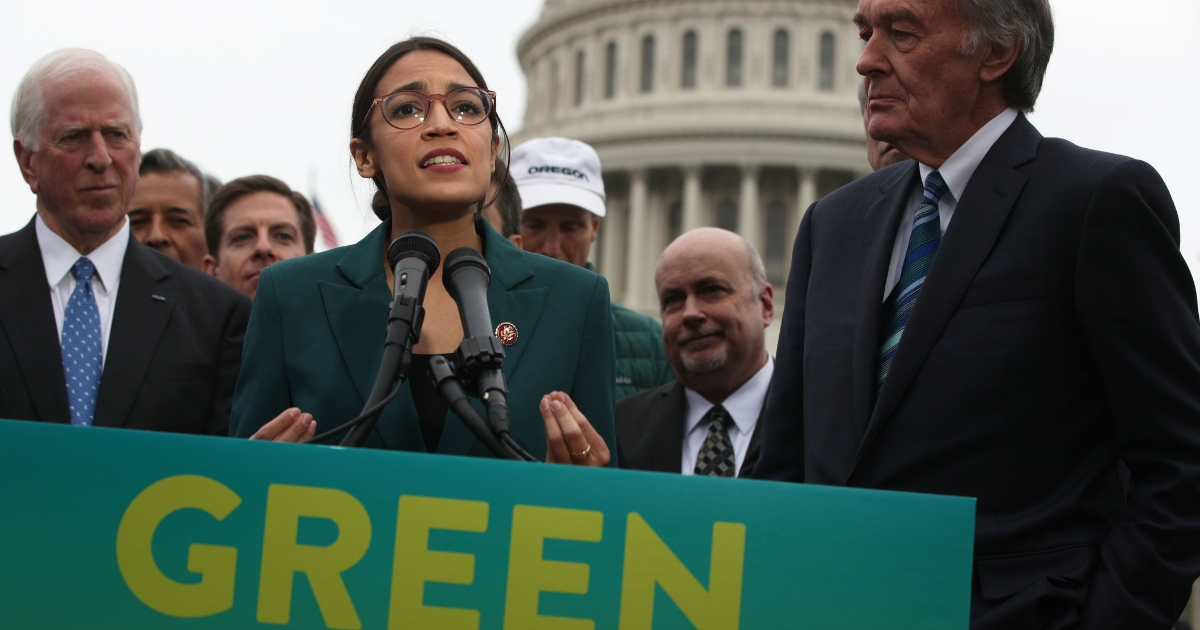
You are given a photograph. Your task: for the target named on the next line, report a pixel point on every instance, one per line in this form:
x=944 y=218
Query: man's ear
x=997 y=60
x=515 y=239
x=767 y=297
x=364 y=158
x=209 y=265
x=595 y=227
x=25 y=162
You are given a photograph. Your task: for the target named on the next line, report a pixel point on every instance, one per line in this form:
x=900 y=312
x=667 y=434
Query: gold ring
x=587 y=452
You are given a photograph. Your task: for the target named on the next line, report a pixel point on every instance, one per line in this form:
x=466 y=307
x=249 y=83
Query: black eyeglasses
x=405 y=109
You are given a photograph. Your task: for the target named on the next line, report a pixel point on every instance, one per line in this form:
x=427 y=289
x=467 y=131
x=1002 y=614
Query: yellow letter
x=648 y=561
x=216 y=565
x=529 y=574
x=415 y=564
x=283 y=557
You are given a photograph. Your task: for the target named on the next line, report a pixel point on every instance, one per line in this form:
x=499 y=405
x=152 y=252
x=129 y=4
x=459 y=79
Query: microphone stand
x=414 y=257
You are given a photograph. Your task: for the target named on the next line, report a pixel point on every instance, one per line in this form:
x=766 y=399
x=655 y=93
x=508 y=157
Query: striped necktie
x=82 y=356
x=922 y=247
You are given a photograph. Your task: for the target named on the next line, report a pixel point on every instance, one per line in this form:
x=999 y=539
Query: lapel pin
x=506 y=333
x=158 y=297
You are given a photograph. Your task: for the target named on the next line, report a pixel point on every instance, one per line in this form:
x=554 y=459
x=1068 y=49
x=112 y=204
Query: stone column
x=612 y=258
x=639 y=269
x=749 y=213
x=806 y=194
x=693 y=212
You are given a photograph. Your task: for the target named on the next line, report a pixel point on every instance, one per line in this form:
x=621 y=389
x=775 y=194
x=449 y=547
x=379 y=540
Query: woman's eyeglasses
x=468 y=107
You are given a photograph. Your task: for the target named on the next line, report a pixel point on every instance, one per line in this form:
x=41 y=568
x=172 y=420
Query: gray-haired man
x=96 y=328
x=1006 y=317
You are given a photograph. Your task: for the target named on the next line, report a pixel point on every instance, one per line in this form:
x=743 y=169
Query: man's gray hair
x=758 y=271
x=165 y=161
x=29 y=107
x=1001 y=23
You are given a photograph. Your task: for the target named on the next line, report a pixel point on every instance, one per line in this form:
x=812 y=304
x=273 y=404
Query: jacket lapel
x=507 y=302
x=666 y=439
x=978 y=219
x=880 y=222
x=357 y=309
x=752 y=450
x=138 y=324
x=27 y=318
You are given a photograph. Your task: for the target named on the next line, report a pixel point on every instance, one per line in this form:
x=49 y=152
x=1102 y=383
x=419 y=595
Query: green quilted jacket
x=641 y=361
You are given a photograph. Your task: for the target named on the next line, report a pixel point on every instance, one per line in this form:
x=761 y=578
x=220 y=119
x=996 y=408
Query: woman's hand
x=289 y=426
x=570 y=438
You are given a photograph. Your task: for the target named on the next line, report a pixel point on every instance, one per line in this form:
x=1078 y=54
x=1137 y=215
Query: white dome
x=736 y=113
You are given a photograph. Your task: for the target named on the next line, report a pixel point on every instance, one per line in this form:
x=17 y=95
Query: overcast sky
x=254 y=87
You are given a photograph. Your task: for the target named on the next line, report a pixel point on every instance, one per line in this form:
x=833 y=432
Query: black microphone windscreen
x=468 y=256
x=415 y=243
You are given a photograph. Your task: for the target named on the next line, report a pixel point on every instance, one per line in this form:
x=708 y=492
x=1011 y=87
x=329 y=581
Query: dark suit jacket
x=650 y=430
x=1055 y=339
x=174 y=348
x=316 y=339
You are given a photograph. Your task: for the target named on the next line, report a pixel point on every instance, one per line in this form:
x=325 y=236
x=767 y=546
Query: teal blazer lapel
x=506 y=304
x=357 y=310
x=978 y=220
x=506 y=301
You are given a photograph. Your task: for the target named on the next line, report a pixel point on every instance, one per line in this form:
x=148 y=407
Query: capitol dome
x=733 y=113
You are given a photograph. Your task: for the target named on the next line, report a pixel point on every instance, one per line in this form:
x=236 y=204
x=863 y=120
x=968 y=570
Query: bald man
x=716 y=305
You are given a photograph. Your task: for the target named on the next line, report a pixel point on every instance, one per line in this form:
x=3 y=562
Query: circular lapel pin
x=506 y=333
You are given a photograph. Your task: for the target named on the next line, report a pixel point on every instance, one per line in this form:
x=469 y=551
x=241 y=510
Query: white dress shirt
x=58 y=256
x=744 y=407
x=956 y=171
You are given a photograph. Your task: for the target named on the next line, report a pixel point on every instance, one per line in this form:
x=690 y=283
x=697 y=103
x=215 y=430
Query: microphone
x=414 y=257
x=466 y=277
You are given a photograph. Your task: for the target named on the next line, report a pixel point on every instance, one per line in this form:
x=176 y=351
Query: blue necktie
x=81 y=350
x=922 y=246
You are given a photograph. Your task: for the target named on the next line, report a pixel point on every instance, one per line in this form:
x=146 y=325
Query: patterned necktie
x=716 y=456
x=82 y=355
x=922 y=246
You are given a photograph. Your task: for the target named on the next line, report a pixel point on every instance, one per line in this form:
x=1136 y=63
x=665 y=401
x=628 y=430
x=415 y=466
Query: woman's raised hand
x=570 y=438
x=289 y=426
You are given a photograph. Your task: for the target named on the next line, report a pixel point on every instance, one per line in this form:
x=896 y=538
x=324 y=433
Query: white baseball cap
x=558 y=170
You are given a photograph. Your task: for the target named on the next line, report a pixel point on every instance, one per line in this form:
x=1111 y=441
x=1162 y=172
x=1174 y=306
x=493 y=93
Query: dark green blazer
x=315 y=341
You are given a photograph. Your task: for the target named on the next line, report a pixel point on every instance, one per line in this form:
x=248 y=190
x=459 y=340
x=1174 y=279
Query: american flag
x=328 y=236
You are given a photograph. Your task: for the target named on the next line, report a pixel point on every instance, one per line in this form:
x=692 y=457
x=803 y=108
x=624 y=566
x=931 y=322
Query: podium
x=110 y=528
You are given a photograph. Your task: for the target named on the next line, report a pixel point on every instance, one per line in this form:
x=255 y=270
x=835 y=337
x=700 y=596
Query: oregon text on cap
x=565 y=170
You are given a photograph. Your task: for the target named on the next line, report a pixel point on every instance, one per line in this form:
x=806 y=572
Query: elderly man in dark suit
x=1006 y=317
x=96 y=328
x=716 y=305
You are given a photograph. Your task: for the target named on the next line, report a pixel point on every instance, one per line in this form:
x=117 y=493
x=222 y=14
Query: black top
x=431 y=409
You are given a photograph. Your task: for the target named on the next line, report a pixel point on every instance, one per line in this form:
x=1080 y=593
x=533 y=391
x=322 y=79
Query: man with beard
x=716 y=305
x=252 y=223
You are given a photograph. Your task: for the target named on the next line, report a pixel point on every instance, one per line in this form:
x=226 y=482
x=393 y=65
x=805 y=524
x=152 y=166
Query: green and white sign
x=105 y=528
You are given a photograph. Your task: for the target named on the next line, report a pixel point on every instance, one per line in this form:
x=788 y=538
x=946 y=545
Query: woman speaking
x=425 y=130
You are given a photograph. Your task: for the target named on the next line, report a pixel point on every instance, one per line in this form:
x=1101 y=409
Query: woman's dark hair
x=359 y=128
